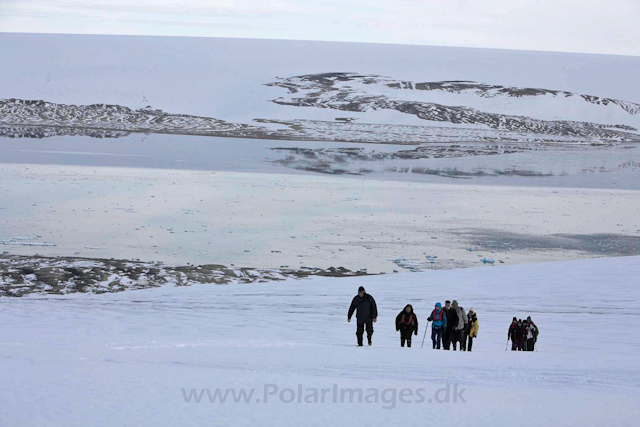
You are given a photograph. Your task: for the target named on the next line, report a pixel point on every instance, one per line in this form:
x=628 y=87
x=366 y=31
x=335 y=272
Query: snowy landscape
x=185 y=215
x=127 y=358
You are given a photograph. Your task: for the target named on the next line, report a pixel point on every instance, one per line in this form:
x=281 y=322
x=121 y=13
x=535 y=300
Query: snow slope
x=123 y=359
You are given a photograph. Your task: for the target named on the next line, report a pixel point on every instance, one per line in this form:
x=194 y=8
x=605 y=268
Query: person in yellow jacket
x=473 y=326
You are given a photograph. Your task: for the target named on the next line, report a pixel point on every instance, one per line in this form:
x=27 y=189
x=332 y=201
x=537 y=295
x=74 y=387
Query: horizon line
x=323 y=41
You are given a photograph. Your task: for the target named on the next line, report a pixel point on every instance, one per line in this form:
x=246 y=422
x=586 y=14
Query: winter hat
x=438 y=305
x=515 y=319
x=454 y=304
x=471 y=310
x=361 y=289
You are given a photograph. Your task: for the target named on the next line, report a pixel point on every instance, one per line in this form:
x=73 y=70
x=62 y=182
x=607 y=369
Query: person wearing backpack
x=407 y=324
x=439 y=324
x=460 y=327
x=473 y=327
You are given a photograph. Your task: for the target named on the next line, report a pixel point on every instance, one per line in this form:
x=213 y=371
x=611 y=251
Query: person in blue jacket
x=439 y=324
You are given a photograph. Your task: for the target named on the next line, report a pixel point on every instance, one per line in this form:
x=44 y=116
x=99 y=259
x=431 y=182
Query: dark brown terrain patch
x=22 y=275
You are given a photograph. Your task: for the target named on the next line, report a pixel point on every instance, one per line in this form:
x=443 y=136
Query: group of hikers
x=450 y=325
x=523 y=334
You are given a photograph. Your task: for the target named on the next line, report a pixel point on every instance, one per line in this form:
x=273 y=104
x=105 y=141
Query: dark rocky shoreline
x=23 y=275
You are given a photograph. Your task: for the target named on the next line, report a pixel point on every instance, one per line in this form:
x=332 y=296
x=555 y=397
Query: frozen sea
x=613 y=167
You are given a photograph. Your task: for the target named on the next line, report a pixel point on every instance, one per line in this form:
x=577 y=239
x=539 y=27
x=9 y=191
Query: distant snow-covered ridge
x=361 y=93
x=465 y=117
x=103 y=116
x=346 y=80
x=39 y=132
x=495 y=91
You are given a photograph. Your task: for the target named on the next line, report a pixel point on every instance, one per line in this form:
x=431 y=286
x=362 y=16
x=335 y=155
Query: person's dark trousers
x=514 y=346
x=360 y=330
x=405 y=335
x=470 y=344
x=402 y=341
x=447 y=337
x=458 y=336
x=531 y=342
x=436 y=336
x=463 y=340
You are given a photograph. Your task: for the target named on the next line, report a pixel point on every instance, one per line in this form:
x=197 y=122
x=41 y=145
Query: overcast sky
x=590 y=26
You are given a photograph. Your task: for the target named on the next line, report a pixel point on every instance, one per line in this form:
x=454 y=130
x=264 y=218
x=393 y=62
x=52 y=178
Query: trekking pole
x=425 y=334
x=507 y=346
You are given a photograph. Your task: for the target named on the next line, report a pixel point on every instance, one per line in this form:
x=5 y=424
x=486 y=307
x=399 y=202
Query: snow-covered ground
x=124 y=359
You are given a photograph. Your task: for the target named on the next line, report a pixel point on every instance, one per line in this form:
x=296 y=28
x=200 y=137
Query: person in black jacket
x=513 y=334
x=522 y=335
x=407 y=324
x=366 y=314
x=452 y=320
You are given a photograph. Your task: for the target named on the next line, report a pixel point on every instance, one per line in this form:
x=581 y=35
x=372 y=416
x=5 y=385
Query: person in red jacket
x=407 y=324
x=438 y=326
x=513 y=334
